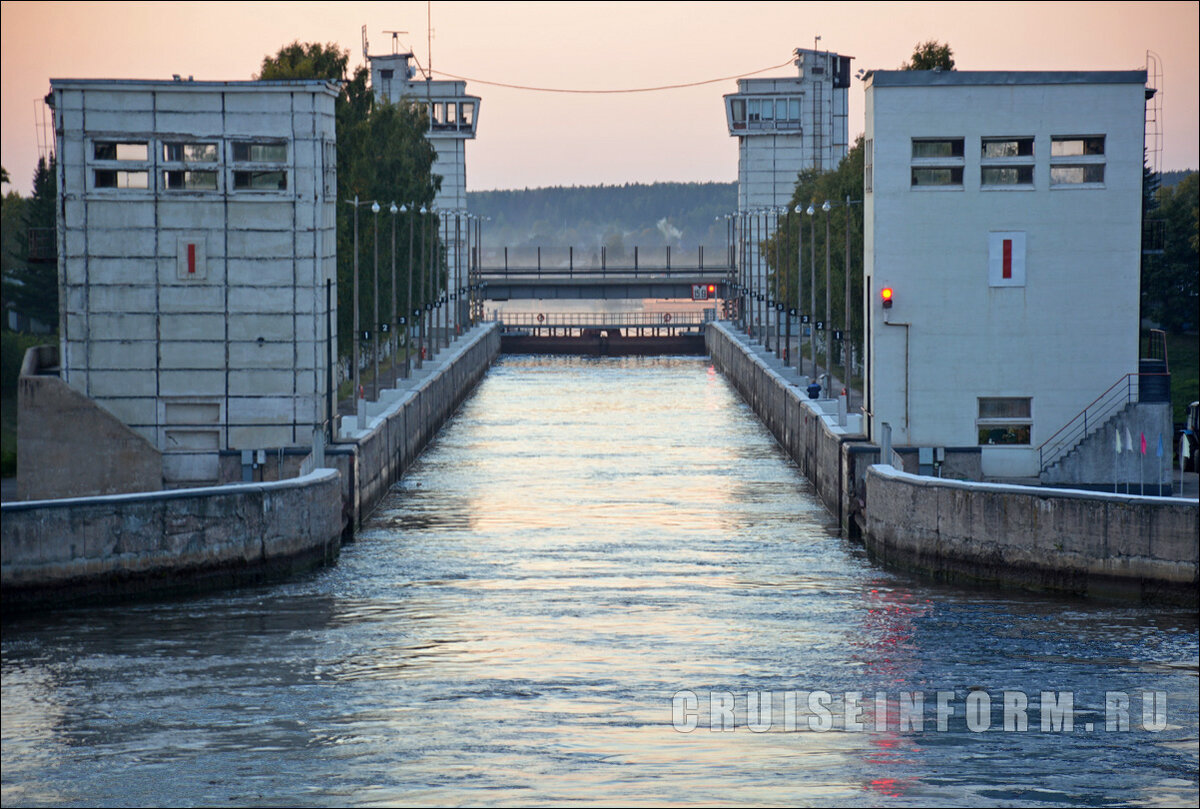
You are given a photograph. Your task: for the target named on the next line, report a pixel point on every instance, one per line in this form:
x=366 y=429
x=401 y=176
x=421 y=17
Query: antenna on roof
x=364 y=35
x=395 y=40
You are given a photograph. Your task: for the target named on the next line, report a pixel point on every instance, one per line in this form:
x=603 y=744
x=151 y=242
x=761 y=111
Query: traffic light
x=886 y=294
x=712 y=290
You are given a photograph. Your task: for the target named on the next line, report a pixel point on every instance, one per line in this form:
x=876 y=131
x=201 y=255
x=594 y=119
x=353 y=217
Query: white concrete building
x=1004 y=211
x=196 y=240
x=785 y=125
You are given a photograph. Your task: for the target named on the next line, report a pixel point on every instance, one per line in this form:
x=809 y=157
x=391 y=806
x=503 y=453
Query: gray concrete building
x=197 y=263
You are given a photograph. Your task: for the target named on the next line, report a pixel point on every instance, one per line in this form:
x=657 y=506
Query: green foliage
x=383 y=155
x=12 y=352
x=1171 y=281
x=930 y=55
x=808 y=233
x=30 y=285
x=611 y=215
x=1183 y=356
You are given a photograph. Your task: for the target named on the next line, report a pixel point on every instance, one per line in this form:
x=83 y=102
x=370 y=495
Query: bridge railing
x=603 y=319
x=555 y=260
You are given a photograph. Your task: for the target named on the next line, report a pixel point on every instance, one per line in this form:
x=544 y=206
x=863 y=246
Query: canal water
x=588 y=590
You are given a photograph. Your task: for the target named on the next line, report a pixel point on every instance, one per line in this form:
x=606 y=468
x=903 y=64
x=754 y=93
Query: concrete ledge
x=1035 y=538
x=87 y=549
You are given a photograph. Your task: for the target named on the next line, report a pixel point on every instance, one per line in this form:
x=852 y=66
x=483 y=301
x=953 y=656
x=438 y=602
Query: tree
x=382 y=154
x=931 y=55
x=31 y=280
x=1171 y=281
x=814 y=188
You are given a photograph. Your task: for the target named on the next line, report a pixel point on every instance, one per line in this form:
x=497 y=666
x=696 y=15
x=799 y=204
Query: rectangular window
x=468 y=114
x=260 y=180
x=931 y=176
x=755 y=106
x=1005 y=420
x=114 y=178
x=1006 y=175
x=1069 y=146
x=943 y=147
x=768 y=110
x=992 y=148
x=190 y=180
x=190 y=152
x=269 y=152
x=869 y=165
x=737 y=109
x=1077 y=175
x=794 y=109
x=115 y=150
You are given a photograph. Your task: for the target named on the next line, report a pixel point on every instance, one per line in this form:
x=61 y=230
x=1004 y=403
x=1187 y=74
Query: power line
x=611 y=92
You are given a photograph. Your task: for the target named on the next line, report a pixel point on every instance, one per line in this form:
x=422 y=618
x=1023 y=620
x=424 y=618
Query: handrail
x=1091 y=418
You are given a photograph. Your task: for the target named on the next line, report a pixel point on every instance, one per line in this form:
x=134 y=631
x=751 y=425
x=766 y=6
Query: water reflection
x=586 y=539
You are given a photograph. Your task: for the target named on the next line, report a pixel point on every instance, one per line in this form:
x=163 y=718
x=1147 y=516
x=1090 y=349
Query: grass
x=1183 y=357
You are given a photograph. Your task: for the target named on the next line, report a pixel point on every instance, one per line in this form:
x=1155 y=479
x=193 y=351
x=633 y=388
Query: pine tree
x=31 y=286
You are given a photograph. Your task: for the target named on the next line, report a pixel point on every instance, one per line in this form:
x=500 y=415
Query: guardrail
x=540 y=261
x=602 y=320
x=1091 y=418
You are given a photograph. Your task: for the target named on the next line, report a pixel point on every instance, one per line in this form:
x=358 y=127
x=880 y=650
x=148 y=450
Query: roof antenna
x=395 y=40
x=364 y=38
x=429 y=33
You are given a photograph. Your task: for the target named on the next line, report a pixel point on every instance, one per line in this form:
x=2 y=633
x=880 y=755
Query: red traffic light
x=712 y=290
x=886 y=294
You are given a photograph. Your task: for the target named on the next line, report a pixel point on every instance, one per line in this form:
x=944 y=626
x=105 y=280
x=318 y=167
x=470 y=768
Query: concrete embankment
x=405 y=419
x=158 y=543
x=1026 y=537
x=833 y=455
x=149 y=544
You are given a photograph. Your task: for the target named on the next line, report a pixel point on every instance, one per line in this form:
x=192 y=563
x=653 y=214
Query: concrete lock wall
x=405 y=420
x=830 y=456
x=155 y=543
x=1079 y=542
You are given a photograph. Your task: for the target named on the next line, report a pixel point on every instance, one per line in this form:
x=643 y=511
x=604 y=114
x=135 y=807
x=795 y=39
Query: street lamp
x=375 y=307
x=812 y=282
x=408 y=308
x=419 y=311
x=827 y=207
x=799 y=211
x=393 y=338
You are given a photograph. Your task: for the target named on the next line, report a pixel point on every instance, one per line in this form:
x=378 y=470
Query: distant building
x=453 y=116
x=783 y=126
x=1004 y=211
x=196 y=239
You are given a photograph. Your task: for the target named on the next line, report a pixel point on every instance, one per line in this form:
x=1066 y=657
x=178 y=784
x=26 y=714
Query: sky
x=533 y=139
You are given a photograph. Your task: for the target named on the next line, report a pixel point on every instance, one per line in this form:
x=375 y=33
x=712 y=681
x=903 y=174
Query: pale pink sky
x=538 y=139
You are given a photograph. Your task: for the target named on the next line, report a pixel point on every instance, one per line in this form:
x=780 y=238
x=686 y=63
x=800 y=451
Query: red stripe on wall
x=1008 y=258
x=192 y=258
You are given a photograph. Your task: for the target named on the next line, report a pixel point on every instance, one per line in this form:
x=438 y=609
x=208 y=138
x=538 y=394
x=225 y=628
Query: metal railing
x=1120 y=394
x=570 y=261
x=600 y=320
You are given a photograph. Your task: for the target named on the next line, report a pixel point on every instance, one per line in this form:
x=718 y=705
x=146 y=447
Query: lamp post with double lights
x=407 y=319
x=812 y=283
x=375 y=308
x=393 y=337
x=827 y=207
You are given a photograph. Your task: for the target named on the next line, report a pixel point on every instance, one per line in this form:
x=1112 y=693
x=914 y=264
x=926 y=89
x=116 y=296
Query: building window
x=1076 y=161
x=935 y=147
x=190 y=152
x=117 y=150
x=269 y=152
x=759 y=113
x=1077 y=175
x=1005 y=420
x=869 y=165
x=925 y=177
x=1006 y=175
x=937 y=162
x=260 y=180
x=183 y=180
x=117 y=178
x=386 y=74
x=995 y=148
x=1070 y=146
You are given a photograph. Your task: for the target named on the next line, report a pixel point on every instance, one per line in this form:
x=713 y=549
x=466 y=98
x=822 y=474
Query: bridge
x=562 y=273
x=605 y=334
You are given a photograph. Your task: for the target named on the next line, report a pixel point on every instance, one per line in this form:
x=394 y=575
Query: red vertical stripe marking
x=192 y=258
x=1008 y=258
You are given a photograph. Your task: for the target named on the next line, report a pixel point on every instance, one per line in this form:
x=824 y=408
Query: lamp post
x=827 y=207
x=393 y=338
x=782 y=253
x=799 y=289
x=375 y=307
x=812 y=282
x=408 y=308
x=419 y=310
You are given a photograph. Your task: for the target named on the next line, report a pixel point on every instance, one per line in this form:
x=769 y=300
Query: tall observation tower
x=785 y=125
x=452 y=119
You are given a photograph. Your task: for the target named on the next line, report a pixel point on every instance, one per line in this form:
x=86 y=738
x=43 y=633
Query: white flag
x=1128 y=440
x=1118 y=440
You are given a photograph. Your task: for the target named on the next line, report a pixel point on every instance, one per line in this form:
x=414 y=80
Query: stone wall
x=157 y=543
x=1086 y=543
